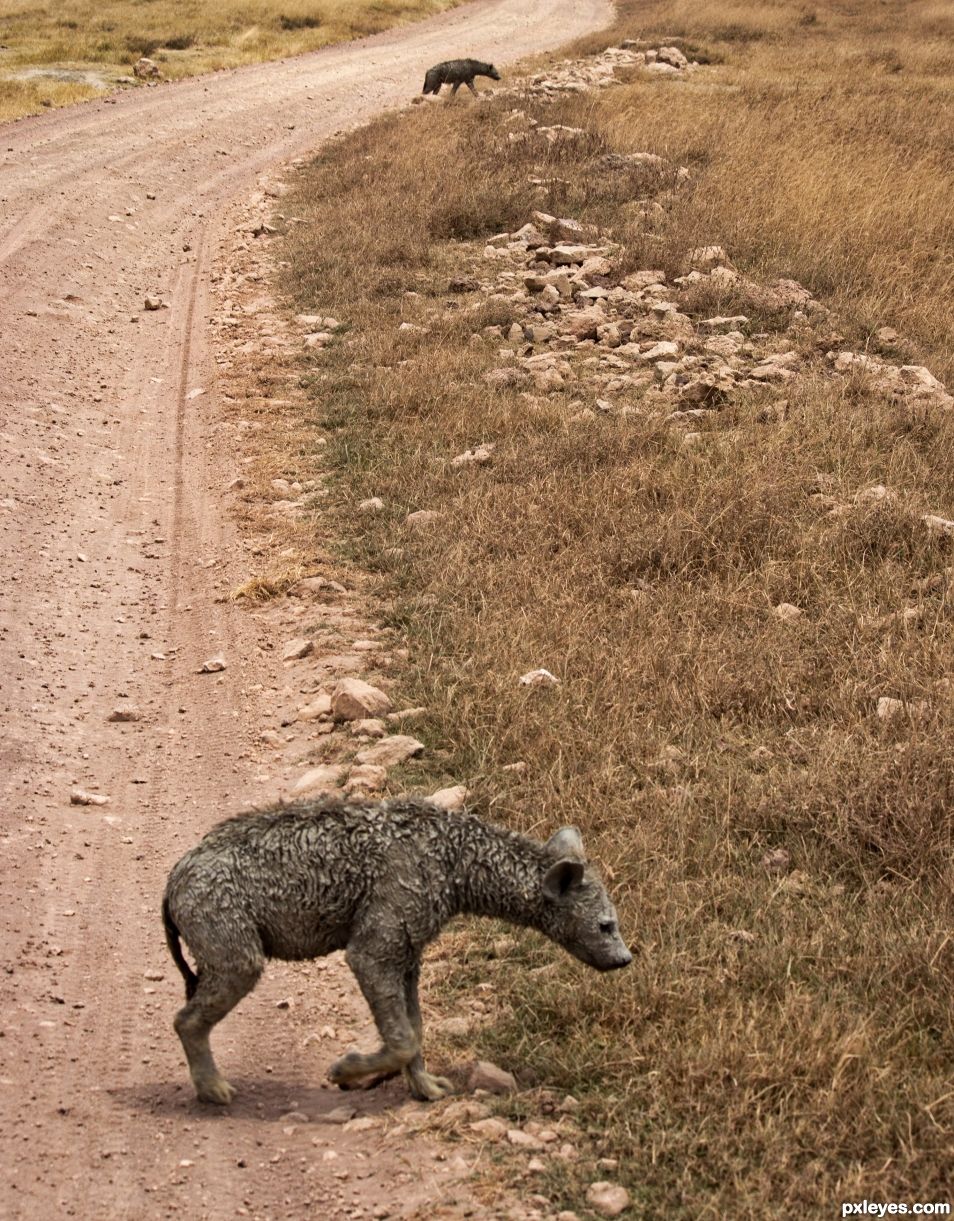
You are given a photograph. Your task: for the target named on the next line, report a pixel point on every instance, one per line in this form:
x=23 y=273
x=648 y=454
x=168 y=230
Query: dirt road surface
x=116 y=551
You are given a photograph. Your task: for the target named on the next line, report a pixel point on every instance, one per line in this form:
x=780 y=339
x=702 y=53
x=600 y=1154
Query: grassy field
x=52 y=54
x=782 y=856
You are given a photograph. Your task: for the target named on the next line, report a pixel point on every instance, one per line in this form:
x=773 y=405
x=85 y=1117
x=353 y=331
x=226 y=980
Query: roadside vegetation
x=782 y=853
x=52 y=54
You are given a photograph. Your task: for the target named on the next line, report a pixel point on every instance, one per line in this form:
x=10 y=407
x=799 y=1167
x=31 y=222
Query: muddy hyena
x=457 y=72
x=378 y=880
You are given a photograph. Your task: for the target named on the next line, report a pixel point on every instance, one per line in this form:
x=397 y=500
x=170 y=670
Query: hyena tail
x=432 y=82
x=175 y=949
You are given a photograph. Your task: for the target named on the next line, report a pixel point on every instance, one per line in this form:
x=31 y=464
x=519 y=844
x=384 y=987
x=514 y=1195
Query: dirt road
x=116 y=547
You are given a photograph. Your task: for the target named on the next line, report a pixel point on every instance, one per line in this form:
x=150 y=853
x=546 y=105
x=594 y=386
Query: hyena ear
x=560 y=878
x=566 y=843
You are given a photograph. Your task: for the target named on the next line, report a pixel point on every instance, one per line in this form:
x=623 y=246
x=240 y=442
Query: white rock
x=213 y=665
x=353 y=700
x=704 y=258
x=487 y=1076
x=318 y=707
x=318 y=779
x=787 y=611
x=82 y=797
x=153 y=303
x=608 y=1199
x=296 y=649
x=489 y=1129
x=539 y=678
x=889 y=708
x=673 y=56
x=479 y=455
x=938 y=525
x=391 y=751
x=524 y=1140
x=373 y=504
x=367 y=778
x=452 y=798
x=423 y=517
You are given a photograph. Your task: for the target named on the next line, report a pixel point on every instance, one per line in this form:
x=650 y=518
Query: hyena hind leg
x=215 y=996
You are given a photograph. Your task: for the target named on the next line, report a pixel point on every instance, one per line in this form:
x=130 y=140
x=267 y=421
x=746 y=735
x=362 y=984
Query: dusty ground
x=118 y=550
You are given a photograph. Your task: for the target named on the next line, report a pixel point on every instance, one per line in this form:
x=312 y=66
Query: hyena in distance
x=378 y=880
x=458 y=72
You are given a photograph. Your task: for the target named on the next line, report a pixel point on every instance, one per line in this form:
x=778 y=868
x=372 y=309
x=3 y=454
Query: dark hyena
x=458 y=72
x=378 y=880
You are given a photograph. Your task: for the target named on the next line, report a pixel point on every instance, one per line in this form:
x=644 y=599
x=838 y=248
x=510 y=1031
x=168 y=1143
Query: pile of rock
x=599 y=71
x=631 y=344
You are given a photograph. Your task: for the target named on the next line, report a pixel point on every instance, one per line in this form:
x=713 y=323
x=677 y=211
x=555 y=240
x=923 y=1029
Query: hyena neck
x=496 y=873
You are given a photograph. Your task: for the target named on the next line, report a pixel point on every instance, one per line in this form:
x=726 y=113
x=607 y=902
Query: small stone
x=324 y=778
x=886 y=334
x=296 y=649
x=213 y=665
x=355 y=700
x=361 y=1123
x=938 y=525
x=153 y=303
x=787 y=611
x=487 y=1076
x=146 y=69
x=608 y=1163
x=82 y=797
x=523 y=1140
x=369 y=727
x=452 y=799
x=318 y=707
x=490 y=1129
x=373 y=504
x=285 y=1003
x=539 y=678
x=608 y=1199
x=337 y=1115
x=889 y=708
x=475 y=457
x=125 y=713
x=366 y=778
x=569 y=1105
x=778 y=860
x=422 y=517
x=536 y=1165
x=293 y=1117
x=391 y=751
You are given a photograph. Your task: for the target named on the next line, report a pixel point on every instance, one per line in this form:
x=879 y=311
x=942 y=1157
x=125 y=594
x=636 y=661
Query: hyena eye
x=607 y=926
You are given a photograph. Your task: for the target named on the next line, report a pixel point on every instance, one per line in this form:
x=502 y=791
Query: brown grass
x=784 y=1041
x=184 y=37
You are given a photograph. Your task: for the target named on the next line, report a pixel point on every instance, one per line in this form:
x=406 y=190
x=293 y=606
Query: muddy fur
x=378 y=880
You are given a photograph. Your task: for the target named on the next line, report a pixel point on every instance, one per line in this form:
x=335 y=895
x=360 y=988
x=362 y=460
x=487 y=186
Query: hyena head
x=491 y=71
x=577 y=911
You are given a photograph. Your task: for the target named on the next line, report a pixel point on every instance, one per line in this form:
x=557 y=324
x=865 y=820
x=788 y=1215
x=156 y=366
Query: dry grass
x=79 y=39
x=784 y=1041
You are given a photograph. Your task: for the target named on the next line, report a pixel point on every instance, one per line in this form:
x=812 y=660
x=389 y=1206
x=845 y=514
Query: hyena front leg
x=422 y=1084
x=470 y=86
x=380 y=972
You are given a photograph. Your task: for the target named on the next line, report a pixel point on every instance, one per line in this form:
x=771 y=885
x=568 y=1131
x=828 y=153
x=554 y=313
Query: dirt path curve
x=115 y=548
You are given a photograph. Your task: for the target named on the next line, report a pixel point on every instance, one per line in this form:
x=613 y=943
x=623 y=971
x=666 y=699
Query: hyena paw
x=215 y=1089
x=427 y=1088
x=348 y=1070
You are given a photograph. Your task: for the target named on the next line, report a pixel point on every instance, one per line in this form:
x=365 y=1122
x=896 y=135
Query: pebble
x=485 y=1075
x=608 y=1199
